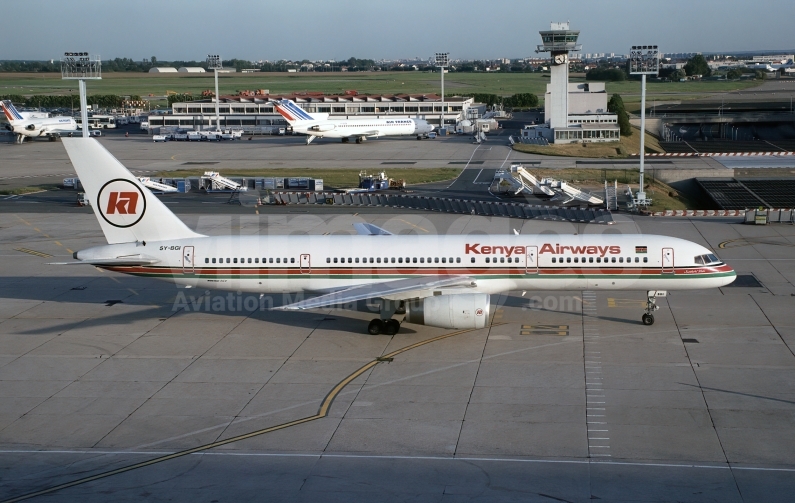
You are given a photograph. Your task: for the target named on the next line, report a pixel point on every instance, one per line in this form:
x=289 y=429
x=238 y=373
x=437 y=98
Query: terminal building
x=252 y=110
x=574 y=113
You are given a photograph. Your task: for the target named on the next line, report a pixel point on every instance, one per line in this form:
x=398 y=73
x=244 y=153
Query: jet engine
x=322 y=127
x=9 y=127
x=466 y=310
x=30 y=127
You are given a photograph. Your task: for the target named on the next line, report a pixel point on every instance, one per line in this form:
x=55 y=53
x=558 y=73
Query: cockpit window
x=707 y=259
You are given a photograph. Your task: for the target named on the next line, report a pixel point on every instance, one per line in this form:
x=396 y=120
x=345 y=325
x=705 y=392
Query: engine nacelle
x=465 y=310
x=323 y=127
x=30 y=127
x=9 y=127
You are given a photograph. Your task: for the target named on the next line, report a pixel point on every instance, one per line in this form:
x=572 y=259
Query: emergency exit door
x=531 y=264
x=305 y=263
x=668 y=260
x=187 y=259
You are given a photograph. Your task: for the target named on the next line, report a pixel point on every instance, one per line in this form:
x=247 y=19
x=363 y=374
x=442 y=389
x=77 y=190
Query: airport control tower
x=559 y=41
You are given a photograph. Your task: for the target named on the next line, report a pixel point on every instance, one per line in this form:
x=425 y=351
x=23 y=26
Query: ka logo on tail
x=121 y=203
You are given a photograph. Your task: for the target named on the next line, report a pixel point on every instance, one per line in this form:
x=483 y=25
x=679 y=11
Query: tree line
x=68 y=101
x=520 y=100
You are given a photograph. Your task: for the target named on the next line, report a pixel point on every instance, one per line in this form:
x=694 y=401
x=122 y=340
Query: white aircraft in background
x=319 y=125
x=33 y=125
x=440 y=281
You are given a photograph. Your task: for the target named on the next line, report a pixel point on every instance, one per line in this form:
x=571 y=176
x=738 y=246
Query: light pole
x=214 y=63
x=643 y=60
x=442 y=60
x=81 y=67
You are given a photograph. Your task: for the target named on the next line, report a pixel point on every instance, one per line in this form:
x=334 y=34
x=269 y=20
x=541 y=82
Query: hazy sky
x=326 y=29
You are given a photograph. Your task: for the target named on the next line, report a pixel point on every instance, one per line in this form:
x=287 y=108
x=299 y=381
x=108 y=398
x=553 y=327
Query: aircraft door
x=668 y=260
x=305 y=263
x=531 y=264
x=187 y=259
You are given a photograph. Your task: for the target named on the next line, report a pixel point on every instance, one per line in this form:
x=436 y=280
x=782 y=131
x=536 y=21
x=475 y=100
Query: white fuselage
x=495 y=263
x=42 y=127
x=363 y=127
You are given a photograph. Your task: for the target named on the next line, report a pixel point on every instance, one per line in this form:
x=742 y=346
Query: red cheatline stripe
x=317 y=271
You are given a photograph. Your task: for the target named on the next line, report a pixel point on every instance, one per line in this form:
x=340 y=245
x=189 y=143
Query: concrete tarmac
x=44 y=162
x=566 y=396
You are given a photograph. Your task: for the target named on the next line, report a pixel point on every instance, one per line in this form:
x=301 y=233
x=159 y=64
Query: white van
x=144 y=126
x=194 y=136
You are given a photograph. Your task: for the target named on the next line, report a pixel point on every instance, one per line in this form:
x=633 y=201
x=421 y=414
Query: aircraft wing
x=366 y=229
x=401 y=289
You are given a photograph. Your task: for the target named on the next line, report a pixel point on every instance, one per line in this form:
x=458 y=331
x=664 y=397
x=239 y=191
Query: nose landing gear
x=651 y=305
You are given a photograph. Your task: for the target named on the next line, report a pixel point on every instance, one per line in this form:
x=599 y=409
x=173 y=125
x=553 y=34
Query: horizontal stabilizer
x=116 y=261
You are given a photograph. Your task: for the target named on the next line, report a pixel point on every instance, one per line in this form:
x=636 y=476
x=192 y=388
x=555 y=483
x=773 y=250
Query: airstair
x=218 y=182
x=156 y=186
x=571 y=192
x=611 y=196
x=522 y=180
x=528 y=181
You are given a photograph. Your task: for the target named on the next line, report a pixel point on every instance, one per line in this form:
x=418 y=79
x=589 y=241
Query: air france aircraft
x=318 y=125
x=440 y=281
x=25 y=124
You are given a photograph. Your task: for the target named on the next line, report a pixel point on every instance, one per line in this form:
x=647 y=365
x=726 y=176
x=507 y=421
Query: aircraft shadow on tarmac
x=162 y=300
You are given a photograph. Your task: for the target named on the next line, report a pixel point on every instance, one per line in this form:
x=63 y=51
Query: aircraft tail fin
x=10 y=111
x=294 y=114
x=127 y=211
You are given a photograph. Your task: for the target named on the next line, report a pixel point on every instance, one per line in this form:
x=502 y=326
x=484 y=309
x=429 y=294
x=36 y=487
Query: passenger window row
x=598 y=260
x=392 y=260
x=249 y=260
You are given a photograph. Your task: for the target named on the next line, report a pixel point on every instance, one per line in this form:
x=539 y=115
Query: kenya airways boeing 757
x=318 y=125
x=440 y=281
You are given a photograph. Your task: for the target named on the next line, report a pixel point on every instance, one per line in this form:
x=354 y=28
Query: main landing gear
x=388 y=327
x=385 y=324
x=651 y=305
x=360 y=139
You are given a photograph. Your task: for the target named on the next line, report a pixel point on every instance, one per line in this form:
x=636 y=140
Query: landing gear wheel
x=391 y=327
x=358 y=140
x=375 y=327
x=345 y=140
x=648 y=319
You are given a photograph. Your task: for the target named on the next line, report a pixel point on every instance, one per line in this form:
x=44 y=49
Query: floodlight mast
x=214 y=63
x=81 y=67
x=643 y=60
x=442 y=60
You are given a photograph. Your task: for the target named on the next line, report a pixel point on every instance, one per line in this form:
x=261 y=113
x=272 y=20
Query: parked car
x=159 y=137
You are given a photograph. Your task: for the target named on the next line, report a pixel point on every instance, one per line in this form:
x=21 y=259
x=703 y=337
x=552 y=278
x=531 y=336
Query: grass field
x=505 y=84
x=332 y=178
